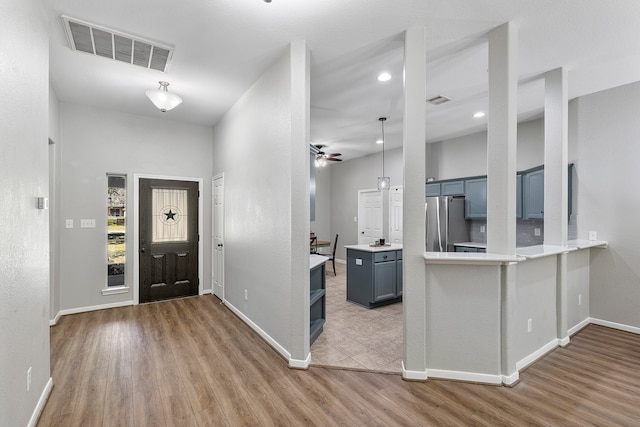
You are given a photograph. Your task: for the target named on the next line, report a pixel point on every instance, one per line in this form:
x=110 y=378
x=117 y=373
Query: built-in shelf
x=317 y=295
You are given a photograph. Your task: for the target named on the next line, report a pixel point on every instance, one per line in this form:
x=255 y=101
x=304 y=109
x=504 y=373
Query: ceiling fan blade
x=334 y=154
x=333 y=159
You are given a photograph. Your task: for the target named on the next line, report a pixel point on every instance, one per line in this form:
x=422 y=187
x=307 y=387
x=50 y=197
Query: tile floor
x=355 y=337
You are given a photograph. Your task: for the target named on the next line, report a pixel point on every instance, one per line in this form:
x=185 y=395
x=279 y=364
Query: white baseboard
x=528 y=360
x=207 y=291
x=44 y=396
x=572 y=331
x=300 y=364
x=614 y=325
x=54 y=321
x=92 y=308
x=413 y=375
x=511 y=379
x=273 y=343
x=341 y=261
x=465 y=376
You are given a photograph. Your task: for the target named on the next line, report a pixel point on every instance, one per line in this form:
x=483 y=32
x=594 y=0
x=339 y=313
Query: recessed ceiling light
x=478 y=114
x=384 y=77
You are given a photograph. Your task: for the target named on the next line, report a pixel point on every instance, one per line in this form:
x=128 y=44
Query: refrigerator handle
x=438 y=226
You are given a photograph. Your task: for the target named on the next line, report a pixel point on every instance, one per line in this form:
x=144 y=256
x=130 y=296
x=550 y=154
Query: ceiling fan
x=322 y=157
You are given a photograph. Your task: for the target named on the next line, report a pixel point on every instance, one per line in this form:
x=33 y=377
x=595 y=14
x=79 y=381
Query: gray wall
x=24 y=253
x=54 y=208
x=349 y=177
x=467 y=155
x=95 y=142
x=606 y=136
x=261 y=160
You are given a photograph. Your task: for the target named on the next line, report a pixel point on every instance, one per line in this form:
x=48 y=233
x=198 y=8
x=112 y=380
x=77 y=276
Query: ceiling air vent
x=437 y=100
x=100 y=41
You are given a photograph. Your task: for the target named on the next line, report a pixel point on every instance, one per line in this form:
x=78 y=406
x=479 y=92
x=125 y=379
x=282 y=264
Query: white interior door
x=218 y=237
x=395 y=214
x=369 y=216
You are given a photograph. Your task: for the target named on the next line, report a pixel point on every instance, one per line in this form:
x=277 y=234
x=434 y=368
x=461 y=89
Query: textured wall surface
x=24 y=252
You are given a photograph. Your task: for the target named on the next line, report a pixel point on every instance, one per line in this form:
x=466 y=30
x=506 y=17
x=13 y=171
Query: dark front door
x=168 y=239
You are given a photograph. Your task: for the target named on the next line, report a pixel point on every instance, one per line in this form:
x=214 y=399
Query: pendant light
x=383 y=181
x=162 y=98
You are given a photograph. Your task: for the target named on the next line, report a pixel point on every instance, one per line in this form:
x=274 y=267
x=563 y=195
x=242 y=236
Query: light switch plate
x=593 y=235
x=68 y=223
x=87 y=223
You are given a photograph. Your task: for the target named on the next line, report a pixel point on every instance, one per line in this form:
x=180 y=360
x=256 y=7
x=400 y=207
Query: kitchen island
x=374 y=274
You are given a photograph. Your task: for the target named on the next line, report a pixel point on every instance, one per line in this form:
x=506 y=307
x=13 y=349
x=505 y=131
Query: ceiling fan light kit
x=322 y=158
x=383 y=181
x=162 y=98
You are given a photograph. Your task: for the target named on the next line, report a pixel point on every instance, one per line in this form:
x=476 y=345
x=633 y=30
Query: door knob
x=362 y=232
x=219 y=245
x=143 y=250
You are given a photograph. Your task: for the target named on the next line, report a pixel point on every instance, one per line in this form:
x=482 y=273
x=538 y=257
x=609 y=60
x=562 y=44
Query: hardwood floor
x=191 y=362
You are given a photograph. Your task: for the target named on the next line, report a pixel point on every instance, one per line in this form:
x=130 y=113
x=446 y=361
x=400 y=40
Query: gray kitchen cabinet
x=372 y=277
x=519 y=196
x=475 y=198
x=317 y=301
x=399 y=273
x=452 y=188
x=432 y=189
x=533 y=194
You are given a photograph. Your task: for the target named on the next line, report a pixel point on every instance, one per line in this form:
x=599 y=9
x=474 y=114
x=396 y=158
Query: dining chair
x=314 y=245
x=333 y=255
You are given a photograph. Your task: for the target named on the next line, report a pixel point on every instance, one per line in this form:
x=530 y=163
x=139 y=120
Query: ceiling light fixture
x=384 y=77
x=478 y=114
x=162 y=98
x=383 y=181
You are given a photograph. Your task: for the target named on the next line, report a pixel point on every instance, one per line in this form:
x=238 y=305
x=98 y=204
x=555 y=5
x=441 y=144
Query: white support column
x=501 y=180
x=414 y=132
x=556 y=181
x=502 y=140
x=508 y=345
x=562 y=309
x=556 y=178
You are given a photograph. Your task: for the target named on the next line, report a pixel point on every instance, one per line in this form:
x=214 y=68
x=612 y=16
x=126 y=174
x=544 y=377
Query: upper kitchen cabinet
x=475 y=204
x=452 y=188
x=533 y=193
x=432 y=189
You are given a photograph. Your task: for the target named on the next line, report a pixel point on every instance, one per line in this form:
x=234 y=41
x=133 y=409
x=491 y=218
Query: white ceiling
x=222 y=47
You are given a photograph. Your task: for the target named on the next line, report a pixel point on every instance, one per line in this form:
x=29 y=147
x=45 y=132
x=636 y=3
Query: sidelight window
x=116 y=229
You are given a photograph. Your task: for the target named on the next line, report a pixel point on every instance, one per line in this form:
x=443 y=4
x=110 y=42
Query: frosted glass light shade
x=384 y=182
x=162 y=98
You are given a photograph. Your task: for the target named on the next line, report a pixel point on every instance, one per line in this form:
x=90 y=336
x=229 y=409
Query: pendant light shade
x=162 y=98
x=384 y=182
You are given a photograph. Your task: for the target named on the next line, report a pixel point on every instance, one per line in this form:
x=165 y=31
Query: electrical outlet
x=529 y=325
x=246 y=295
x=68 y=223
x=593 y=235
x=579 y=299
x=358 y=261
x=29 y=378
x=483 y=228
x=536 y=231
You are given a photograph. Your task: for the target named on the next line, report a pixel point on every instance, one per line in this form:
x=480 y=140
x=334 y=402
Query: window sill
x=115 y=290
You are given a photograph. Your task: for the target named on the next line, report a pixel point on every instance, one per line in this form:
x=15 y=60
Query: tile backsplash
x=525 y=232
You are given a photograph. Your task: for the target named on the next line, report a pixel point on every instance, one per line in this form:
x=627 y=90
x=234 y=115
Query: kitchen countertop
x=522 y=253
x=367 y=248
x=315 y=260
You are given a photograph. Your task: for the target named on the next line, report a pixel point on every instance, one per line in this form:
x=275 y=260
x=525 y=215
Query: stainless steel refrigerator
x=445 y=223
